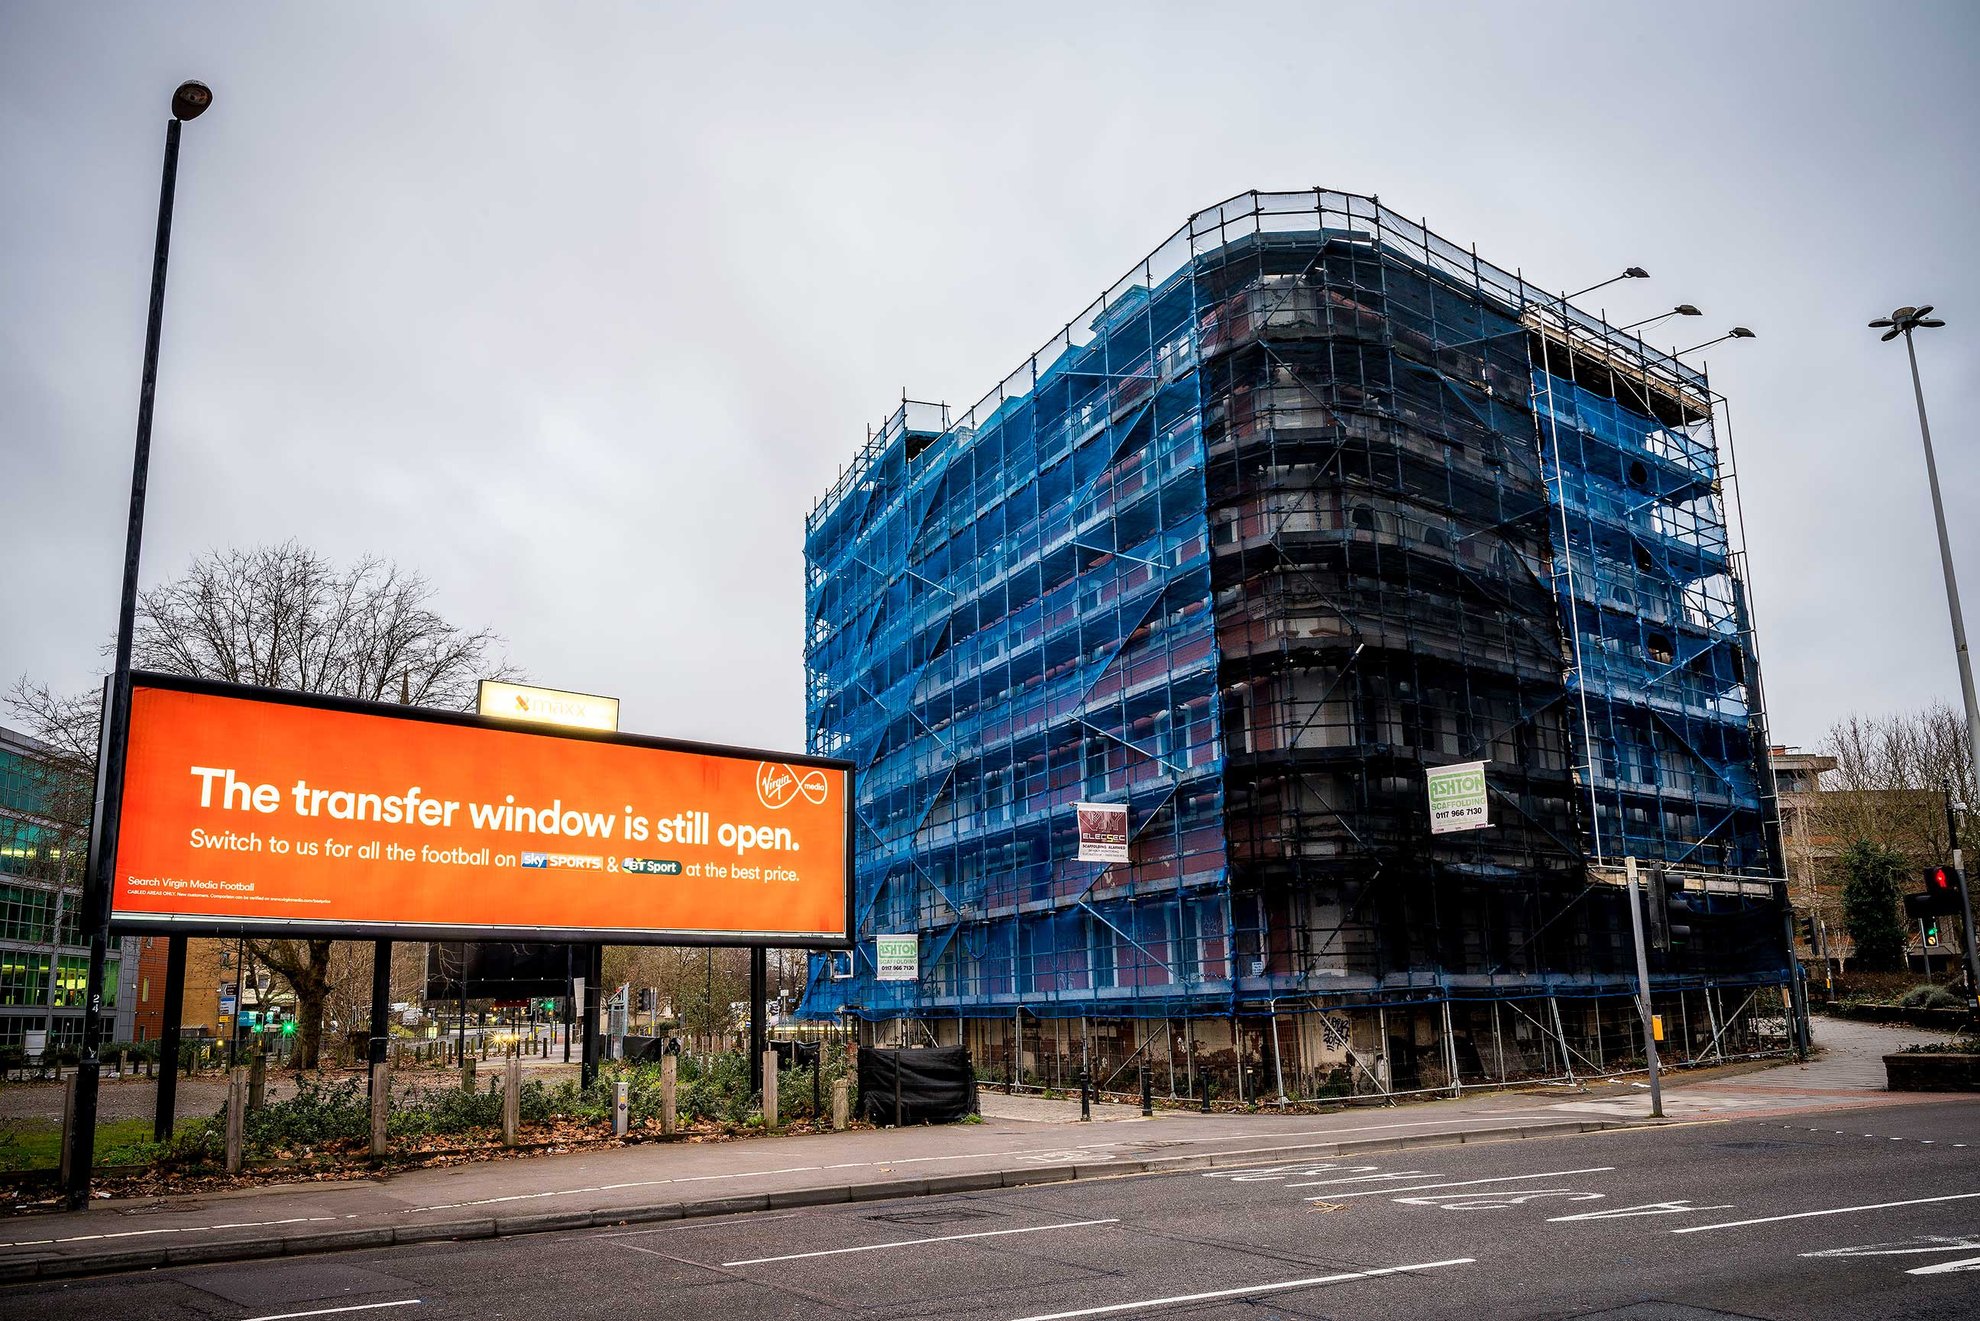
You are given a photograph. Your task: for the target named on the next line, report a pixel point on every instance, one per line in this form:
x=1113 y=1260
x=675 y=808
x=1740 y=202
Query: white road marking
x=1492 y=1199
x=327 y=1311
x=1249 y=1290
x=1365 y=1178
x=1831 y=1211
x=1904 y=1247
x=189 y=1229
x=1947 y=1267
x=916 y=1242
x=1459 y=1183
x=1679 y=1207
x=1260 y=1173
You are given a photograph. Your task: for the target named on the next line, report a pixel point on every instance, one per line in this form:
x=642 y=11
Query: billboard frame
x=155 y=924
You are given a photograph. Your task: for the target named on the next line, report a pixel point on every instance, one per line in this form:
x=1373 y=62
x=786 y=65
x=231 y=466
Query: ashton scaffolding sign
x=249 y=809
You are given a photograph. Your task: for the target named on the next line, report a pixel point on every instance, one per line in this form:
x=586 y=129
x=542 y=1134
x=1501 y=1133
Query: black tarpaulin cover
x=937 y=1085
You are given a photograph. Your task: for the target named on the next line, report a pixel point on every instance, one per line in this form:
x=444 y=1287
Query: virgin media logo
x=777 y=784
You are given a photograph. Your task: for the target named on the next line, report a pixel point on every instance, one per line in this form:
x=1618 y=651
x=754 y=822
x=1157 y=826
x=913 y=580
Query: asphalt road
x=1845 y=1214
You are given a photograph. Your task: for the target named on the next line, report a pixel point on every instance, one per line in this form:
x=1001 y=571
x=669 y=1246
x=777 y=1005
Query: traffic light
x=550 y=1006
x=288 y=1027
x=1940 y=896
x=1657 y=907
x=1677 y=915
x=1931 y=933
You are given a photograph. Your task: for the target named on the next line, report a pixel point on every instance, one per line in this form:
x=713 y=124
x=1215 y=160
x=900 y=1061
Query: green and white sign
x=1457 y=797
x=896 y=958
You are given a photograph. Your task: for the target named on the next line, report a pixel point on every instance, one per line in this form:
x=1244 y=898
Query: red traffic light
x=1939 y=878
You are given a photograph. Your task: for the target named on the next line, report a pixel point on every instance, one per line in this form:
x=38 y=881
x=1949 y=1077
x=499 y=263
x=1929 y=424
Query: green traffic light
x=289 y=1027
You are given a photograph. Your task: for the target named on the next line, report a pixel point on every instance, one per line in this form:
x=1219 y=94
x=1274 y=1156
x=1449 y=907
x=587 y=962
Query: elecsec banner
x=252 y=808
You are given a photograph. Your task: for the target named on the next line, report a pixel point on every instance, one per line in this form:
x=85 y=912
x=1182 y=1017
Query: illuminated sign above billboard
x=499 y=700
x=247 y=808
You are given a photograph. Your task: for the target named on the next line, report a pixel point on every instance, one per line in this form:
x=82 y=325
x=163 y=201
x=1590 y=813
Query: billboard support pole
x=460 y=1028
x=381 y=1005
x=168 y=1038
x=759 y=988
x=588 y=1013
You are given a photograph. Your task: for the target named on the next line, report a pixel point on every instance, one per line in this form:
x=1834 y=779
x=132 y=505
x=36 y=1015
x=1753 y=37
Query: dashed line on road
x=916 y=1242
x=1248 y=1290
x=327 y=1311
x=1463 y=1183
x=1830 y=1211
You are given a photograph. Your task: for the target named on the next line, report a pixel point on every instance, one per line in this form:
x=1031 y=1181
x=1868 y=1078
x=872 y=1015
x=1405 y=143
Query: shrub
x=1930 y=996
x=318 y=1113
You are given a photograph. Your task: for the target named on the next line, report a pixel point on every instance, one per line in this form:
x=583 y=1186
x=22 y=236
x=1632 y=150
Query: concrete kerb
x=305 y=1241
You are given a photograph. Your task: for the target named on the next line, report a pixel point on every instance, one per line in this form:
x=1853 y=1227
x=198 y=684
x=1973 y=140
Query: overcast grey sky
x=577 y=309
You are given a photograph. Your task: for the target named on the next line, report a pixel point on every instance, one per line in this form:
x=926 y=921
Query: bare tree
x=286 y=617
x=1892 y=778
x=63 y=778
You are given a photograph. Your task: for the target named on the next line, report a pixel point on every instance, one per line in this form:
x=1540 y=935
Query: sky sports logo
x=777 y=785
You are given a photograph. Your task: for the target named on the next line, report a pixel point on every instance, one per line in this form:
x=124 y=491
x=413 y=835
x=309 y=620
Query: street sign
x=1458 y=799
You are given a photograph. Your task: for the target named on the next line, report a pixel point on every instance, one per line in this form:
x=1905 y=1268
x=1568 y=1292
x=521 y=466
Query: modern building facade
x=1311 y=502
x=44 y=964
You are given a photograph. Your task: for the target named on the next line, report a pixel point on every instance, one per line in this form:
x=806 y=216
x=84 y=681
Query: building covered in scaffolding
x=1309 y=503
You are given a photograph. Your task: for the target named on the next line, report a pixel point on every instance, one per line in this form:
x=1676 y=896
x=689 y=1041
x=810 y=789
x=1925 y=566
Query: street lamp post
x=1737 y=332
x=1903 y=322
x=188 y=102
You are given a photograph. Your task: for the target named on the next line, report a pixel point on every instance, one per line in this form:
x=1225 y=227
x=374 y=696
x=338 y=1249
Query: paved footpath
x=1021 y=1141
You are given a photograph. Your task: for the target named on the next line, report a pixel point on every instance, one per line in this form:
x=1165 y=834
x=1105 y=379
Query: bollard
x=1085 y=1096
x=668 y=1071
x=769 y=1090
x=619 y=1108
x=840 y=1100
x=236 y=1116
x=512 y=1103
x=1147 y=1090
x=1206 y=1093
x=467 y=1073
x=258 y=1082
x=381 y=1110
x=68 y=1122
x=817 y=1081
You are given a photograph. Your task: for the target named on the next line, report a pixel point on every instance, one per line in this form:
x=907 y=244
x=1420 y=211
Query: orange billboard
x=251 y=808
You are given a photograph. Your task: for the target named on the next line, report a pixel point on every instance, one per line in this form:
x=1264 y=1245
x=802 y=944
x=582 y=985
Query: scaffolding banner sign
x=897 y=958
x=1457 y=797
x=1103 y=832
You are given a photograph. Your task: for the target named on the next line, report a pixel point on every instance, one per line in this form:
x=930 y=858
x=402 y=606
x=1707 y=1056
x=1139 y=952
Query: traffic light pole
x=1643 y=990
x=1960 y=652
x=1972 y=957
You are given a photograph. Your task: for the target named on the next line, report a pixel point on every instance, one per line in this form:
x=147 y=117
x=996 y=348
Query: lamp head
x=191 y=100
x=1739 y=332
x=1635 y=273
x=1686 y=309
x=1905 y=320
